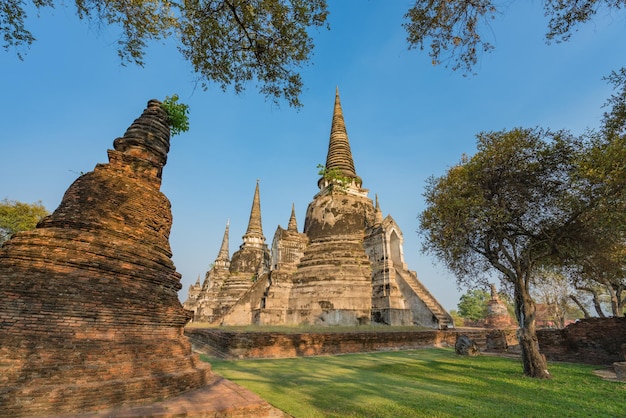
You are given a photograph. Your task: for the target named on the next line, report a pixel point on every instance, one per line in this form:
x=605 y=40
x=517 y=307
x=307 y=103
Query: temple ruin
x=90 y=317
x=346 y=268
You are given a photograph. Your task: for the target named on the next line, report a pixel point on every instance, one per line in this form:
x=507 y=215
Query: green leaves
x=473 y=304
x=177 y=114
x=511 y=204
x=454 y=28
x=17 y=216
x=230 y=43
x=233 y=43
x=335 y=178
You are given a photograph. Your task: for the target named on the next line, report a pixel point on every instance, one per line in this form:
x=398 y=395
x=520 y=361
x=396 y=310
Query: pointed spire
x=255 y=229
x=379 y=214
x=223 y=255
x=339 y=155
x=198 y=281
x=293 y=225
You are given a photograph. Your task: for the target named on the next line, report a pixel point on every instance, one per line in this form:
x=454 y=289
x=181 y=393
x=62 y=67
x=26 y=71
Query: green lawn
x=424 y=383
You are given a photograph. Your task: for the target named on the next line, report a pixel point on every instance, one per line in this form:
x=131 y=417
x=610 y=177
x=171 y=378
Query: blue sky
x=68 y=100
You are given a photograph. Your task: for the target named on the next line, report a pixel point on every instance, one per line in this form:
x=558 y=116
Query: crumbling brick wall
x=592 y=341
x=231 y=345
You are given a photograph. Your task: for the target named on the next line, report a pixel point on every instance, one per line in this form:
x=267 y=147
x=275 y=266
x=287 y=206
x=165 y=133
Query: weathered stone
x=258 y=344
x=465 y=346
x=90 y=316
x=620 y=370
x=592 y=340
x=502 y=340
x=497 y=312
x=346 y=268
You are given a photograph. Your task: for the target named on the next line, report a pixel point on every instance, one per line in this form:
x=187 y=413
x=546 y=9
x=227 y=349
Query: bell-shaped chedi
x=90 y=317
x=332 y=284
x=346 y=268
x=497 y=312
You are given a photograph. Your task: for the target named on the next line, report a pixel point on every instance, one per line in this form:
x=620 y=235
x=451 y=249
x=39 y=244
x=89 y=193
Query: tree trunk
x=596 y=300
x=580 y=306
x=597 y=305
x=534 y=363
x=614 y=301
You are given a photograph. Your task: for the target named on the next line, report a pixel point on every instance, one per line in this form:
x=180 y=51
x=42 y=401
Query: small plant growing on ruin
x=337 y=180
x=177 y=114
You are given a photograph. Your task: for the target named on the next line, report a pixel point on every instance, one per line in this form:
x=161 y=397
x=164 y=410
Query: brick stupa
x=497 y=312
x=90 y=317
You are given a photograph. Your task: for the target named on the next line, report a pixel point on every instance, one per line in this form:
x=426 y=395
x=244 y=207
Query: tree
x=601 y=273
x=457 y=318
x=551 y=288
x=599 y=265
x=510 y=208
x=455 y=27
x=228 y=42
x=17 y=216
x=473 y=305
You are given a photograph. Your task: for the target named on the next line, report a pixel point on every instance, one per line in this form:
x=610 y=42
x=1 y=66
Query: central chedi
x=346 y=267
x=90 y=317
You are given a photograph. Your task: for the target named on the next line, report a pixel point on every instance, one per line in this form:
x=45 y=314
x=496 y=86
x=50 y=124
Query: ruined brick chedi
x=346 y=268
x=90 y=316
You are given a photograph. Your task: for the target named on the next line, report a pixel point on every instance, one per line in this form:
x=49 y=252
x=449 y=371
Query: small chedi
x=346 y=268
x=497 y=312
x=90 y=317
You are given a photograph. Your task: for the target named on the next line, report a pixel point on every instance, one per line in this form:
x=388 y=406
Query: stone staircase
x=444 y=319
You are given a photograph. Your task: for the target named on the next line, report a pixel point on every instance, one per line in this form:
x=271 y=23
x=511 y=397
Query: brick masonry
x=90 y=317
x=592 y=341
x=238 y=345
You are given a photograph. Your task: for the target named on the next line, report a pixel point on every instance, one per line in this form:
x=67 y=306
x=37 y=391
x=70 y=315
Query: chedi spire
x=378 y=218
x=293 y=224
x=339 y=157
x=223 y=260
x=254 y=233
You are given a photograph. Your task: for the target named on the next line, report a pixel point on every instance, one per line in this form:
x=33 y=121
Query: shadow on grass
x=418 y=383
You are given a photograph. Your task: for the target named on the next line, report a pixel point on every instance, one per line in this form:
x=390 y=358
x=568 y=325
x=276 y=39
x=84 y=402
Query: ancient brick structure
x=592 y=340
x=238 y=345
x=346 y=268
x=497 y=313
x=230 y=279
x=90 y=317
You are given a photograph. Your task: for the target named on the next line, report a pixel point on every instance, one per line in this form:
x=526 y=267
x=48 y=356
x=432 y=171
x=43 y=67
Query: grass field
x=424 y=383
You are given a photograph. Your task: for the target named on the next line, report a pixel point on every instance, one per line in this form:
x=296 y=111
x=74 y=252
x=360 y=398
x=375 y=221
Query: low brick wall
x=591 y=341
x=240 y=345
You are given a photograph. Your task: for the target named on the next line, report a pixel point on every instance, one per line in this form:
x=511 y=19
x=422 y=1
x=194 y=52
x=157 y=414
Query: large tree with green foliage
x=228 y=42
x=456 y=31
x=17 y=216
x=601 y=267
x=473 y=304
x=530 y=199
x=551 y=288
x=511 y=207
x=601 y=274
